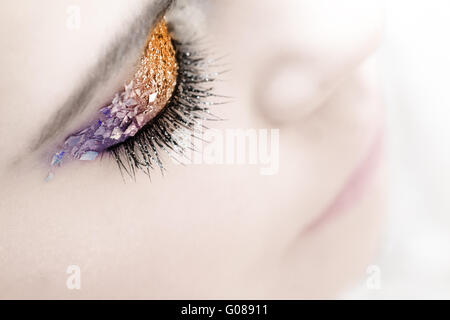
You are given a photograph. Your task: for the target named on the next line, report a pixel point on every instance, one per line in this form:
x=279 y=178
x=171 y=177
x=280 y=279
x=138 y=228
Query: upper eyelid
x=124 y=45
x=132 y=108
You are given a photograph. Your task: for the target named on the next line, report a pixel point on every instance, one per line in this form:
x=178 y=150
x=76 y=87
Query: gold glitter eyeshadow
x=156 y=76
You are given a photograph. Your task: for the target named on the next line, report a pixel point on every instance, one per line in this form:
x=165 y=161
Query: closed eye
x=168 y=94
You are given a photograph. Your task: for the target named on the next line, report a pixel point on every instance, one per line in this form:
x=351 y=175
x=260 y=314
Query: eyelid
x=131 y=108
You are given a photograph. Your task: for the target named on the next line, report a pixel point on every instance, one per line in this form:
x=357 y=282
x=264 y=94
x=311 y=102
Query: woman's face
x=299 y=220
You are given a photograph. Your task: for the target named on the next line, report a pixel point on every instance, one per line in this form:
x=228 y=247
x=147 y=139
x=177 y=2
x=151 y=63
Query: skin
x=201 y=231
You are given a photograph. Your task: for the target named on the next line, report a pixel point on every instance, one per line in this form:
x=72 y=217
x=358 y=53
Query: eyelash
x=187 y=108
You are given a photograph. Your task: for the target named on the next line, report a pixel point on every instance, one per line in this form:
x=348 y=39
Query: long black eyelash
x=188 y=107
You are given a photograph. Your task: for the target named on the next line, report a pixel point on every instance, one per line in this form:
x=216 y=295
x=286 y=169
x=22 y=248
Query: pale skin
x=203 y=231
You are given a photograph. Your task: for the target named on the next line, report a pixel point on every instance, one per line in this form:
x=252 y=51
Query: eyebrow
x=121 y=48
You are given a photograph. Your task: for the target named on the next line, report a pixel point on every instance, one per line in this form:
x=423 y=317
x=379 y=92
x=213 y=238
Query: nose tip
x=289 y=91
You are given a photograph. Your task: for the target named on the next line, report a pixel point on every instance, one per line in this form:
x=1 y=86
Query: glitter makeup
x=166 y=94
x=140 y=100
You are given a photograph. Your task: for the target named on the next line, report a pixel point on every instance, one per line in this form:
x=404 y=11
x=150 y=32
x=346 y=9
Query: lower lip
x=354 y=188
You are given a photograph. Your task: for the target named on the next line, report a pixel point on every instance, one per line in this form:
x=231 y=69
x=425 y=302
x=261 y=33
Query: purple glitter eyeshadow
x=115 y=123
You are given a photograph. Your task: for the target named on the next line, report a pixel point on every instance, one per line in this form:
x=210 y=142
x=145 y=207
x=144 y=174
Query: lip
x=354 y=188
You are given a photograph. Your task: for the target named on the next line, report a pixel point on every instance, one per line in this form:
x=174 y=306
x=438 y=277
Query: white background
x=415 y=66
